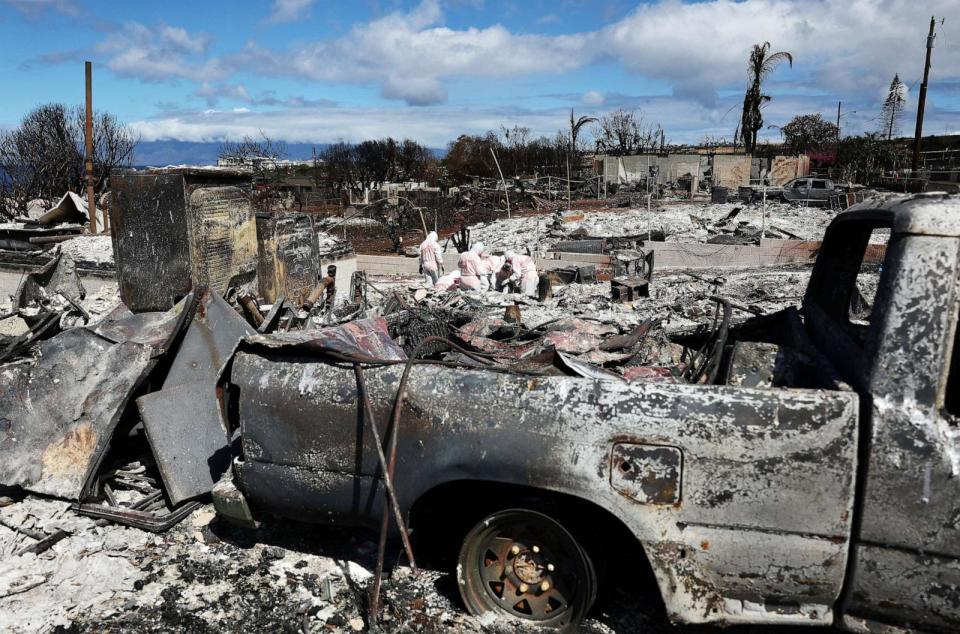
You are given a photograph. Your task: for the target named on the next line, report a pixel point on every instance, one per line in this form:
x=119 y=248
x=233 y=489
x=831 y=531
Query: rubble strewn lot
x=206 y=575
x=603 y=440
x=679 y=300
x=676 y=222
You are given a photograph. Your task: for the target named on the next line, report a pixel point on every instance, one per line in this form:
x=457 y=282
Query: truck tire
x=525 y=565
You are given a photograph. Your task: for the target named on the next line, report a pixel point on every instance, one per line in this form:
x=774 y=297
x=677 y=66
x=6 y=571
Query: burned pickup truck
x=810 y=476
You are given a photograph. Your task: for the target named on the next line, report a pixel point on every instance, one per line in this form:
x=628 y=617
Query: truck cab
x=904 y=362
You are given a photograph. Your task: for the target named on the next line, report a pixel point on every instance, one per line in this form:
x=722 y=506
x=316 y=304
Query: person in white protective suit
x=448 y=281
x=524 y=272
x=492 y=265
x=431 y=259
x=472 y=270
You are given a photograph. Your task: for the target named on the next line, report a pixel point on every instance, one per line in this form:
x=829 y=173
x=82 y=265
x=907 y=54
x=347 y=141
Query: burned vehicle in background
x=810 y=476
x=809 y=190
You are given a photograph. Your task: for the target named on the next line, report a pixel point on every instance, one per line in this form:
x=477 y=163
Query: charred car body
x=809 y=191
x=811 y=477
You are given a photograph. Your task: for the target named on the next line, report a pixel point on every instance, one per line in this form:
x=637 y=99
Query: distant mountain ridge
x=170 y=152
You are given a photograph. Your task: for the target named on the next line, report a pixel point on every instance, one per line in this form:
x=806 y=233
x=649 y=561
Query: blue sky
x=313 y=71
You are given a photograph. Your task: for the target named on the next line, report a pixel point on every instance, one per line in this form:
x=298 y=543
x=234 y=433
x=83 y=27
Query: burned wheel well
x=441 y=517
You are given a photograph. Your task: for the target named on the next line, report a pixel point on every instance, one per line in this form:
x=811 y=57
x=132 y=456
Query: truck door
x=906 y=566
x=798 y=191
x=818 y=190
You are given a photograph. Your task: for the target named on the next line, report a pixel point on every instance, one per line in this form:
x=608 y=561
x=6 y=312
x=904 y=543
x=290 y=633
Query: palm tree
x=575 y=126
x=762 y=63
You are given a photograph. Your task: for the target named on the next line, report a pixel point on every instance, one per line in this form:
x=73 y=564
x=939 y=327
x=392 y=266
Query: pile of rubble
x=201 y=573
x=682 y=222
x=122 y=412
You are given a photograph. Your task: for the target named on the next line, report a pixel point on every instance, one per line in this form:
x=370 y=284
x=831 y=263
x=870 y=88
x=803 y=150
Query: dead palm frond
x=576 y=125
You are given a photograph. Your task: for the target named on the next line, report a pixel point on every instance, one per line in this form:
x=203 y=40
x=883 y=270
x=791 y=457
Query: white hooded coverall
x=431 y=258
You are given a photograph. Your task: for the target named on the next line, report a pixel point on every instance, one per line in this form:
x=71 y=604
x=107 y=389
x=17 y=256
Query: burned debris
x=640 y=375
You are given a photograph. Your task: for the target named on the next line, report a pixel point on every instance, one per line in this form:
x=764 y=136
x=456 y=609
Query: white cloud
x=159 y=53
x=416 y=91
x=592 y=98
x=288 y=10
x=213 y=92
x=701 y=47
x=409 y=55
x=696 y=48
x=685 y=120
x=846 y=49
x=34 y=8
x=433 y=125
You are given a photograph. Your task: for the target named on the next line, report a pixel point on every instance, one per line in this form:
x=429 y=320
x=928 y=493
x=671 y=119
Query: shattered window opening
x=863 y=295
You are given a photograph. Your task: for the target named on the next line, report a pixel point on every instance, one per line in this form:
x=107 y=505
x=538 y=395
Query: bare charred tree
x=412 y=161
x=43 y=157
x=514 y=149
x=624 y=132
x=761 y=63
x=469 y=156
x=316 y=170
x=808 y=133
x=520 y=155
x=375 y=161
x=893 y=106
x=339 y=169
x=351 y=167
x=261 y=154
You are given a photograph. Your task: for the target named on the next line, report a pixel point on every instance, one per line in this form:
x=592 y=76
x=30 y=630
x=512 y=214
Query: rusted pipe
x=387 y=479
x=250 y=307
x=52 y=239
x=393 y=430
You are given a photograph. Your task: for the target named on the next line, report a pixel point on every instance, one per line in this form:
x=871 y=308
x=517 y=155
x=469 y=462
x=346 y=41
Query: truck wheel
x=525 y=565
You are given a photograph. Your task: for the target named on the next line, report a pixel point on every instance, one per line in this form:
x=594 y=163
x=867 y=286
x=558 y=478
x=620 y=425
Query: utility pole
x=505 y=192
x=921 y=102
x=88 y=138
x=838 y=121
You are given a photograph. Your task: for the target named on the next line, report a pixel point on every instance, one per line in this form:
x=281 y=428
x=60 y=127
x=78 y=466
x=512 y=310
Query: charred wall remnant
x=223 y=241
x=141 y=233
x=288 y=263
x=175 y=232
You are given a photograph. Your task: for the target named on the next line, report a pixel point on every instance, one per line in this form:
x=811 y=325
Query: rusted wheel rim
x=526 y=565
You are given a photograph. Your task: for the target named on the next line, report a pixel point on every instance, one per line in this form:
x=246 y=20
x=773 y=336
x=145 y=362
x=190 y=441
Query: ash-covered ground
x=207 y=576
x=675 y=221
